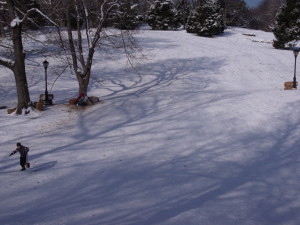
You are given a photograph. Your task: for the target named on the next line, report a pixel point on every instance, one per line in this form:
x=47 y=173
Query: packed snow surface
x=200 y=132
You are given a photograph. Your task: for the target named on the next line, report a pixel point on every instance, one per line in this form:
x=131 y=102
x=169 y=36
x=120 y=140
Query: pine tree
x=207 y=19
x=236 y=12
x=183 y=8
x=163 y=16
x=193 y=21
x=287 y=25
x=127 y=17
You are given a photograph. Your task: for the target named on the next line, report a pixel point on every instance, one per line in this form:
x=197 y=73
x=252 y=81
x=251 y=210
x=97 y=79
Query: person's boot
x=23 y=168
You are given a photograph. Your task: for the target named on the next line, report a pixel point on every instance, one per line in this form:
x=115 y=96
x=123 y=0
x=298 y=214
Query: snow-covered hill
x=201 y=132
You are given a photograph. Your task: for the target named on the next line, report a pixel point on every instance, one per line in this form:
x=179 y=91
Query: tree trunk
x=83 y=86
x=19 y=64
x=83 y=82
x=82 y=74
x=19 y=70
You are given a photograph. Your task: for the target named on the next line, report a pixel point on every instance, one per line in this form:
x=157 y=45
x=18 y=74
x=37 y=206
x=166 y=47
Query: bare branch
x=35 y=39
x=79 y=36
x=103 y=15
x=38 y=11
x=7 y=63
x=28 y=18
x=88 y=31
x=58 y=75
x=6 y=46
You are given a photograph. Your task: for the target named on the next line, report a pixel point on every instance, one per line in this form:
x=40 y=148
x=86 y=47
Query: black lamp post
x=46 y=100
x=296 y=51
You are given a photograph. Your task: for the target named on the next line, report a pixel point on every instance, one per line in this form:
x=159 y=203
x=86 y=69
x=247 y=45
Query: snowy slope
x=201 y=132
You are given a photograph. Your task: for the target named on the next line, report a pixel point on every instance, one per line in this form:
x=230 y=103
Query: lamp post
x=296 y=51
x=46 y=100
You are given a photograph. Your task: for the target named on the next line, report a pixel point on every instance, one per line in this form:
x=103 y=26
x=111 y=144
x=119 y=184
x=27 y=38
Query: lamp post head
x=45 y=64
x=296 y=51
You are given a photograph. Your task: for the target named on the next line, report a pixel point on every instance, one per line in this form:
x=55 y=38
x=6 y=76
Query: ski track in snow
x=201 y=132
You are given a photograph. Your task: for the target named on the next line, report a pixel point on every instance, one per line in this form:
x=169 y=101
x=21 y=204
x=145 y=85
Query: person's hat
x=18 y=144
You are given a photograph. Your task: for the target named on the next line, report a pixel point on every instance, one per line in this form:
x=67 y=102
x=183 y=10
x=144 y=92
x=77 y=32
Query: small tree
x=16 y=61
x=207 y=20
x=91 y=34
x=287 y=25
x=162 y=16
x=16 y=19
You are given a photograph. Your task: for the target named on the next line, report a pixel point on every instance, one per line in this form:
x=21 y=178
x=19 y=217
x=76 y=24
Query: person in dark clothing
x=23 y=151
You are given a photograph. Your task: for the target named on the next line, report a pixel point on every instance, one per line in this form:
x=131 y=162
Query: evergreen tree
x=183 y=8
x=287 y=25
x=193 y=21
x=163 y=16
x=207 y=19
x=126 y=17
x=236 y=12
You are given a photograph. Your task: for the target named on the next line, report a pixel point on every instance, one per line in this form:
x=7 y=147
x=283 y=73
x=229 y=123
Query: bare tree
x=86 y=23
x=86 y=29
x=13 y=43
x=17 y=64
x=266 y=13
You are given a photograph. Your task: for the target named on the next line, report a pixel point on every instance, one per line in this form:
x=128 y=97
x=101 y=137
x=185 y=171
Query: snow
x=15 y=22
x=201 y=132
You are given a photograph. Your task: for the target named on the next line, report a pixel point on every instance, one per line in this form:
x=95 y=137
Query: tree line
x=81 y=27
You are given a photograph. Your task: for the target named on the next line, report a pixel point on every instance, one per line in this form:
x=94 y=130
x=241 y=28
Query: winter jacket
x=23 y=150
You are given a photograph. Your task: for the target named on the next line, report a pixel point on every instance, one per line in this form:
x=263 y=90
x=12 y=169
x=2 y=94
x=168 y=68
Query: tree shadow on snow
x=147 y=190
x=161 y=74
x=128 y=86
x=43 y=166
